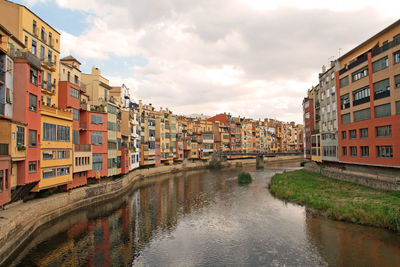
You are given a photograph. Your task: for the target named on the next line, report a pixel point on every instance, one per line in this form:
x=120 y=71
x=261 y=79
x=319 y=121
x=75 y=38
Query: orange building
x=368 y=97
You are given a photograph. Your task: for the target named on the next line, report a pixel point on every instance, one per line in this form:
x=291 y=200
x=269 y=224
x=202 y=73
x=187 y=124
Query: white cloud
x=248 y=58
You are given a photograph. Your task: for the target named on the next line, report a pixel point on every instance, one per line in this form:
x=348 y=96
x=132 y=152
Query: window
x=353 y=134
x=32 y=102
x=306 y=104
x=396 y=57
x=20 y=135
x=380 y=64
x=74 y=92
x=345 y=101
x=97 y=119
x=361 y=96
x=48 y=155
x=382 y=89
x=384 y=131
x=112 y=109
x=97 y=138
x=26 y=41
x=383 y=110
x=49 y=55
x=42 y=53
x=344 y=151
x=63 y=154
x=344 y=135
x=33 y=76
x=32 y=138
x=360 y=74
x=364 y=151
x=75 y=114
x=32 y=166
x=398 y=107
x=97 y=162
x=384 y=151
x=75 y=137
x=362 y=115
x=344 y=81
x=353 y=151
x=397 y=81
x=34 y=27
x=112 y=145
x=364 y=133
x=346 y=118
x=33 y=48
x=49 y=173
x=63 y=133
x=1 y=179
x=49 y=132
x=62 y=171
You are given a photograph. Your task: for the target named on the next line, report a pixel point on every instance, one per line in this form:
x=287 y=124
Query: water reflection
x=204 y=218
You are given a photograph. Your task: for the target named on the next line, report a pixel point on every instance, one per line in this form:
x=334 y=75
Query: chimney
x=323 y=68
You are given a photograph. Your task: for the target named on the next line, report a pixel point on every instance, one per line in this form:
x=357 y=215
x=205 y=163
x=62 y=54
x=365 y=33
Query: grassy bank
x=339 y=200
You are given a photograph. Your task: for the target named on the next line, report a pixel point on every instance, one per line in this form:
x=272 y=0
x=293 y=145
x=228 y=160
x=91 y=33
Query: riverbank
x=339 y=200
x=20 y=221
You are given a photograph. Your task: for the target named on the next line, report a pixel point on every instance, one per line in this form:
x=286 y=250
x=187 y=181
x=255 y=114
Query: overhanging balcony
x=28 y=56
x=49 y=65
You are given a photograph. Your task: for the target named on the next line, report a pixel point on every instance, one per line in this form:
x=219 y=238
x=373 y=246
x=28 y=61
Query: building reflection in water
x=116 y=237
x=345 y=244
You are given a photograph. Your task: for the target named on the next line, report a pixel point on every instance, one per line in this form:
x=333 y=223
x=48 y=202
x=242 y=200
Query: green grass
x=244 y=178
x=339 y=200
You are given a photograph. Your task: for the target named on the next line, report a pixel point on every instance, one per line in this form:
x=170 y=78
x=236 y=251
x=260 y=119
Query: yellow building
x=43 y=41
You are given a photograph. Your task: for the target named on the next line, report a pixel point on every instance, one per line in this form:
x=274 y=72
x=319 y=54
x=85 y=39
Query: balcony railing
x=382 y=94
x=83 y=147
x=28 y=56
x=377 y=50
x=3 y=149
x=51 y=65
x=361 y=101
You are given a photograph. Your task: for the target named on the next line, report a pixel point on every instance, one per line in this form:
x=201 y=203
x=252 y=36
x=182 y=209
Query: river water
x=204 y=218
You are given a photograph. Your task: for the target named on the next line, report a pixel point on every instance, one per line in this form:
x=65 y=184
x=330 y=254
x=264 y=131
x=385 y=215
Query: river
x=204 y=218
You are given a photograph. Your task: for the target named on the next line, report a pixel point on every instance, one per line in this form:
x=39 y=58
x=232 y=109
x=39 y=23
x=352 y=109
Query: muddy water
x=204 y=218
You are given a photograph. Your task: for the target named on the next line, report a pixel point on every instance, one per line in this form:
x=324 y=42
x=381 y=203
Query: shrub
x=244 y=178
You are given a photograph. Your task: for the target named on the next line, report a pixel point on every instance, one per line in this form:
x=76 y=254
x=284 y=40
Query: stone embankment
x=18 y=222
x=377 y=177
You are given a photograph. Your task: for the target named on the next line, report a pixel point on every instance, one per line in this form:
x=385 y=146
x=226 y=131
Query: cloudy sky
x=254 y=58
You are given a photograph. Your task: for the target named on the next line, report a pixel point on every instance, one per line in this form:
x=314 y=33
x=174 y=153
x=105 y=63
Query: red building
x=71 y=93
x=308 y=116
x=93 y=130
x=27 y=86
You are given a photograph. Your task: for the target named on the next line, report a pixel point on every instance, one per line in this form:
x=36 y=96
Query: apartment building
x=308 y=118
x=71 y=96
x=19 y=118
x=368 y=94
x=327 y=112
x=97 y=88
x=147 y=115
x=43 y=41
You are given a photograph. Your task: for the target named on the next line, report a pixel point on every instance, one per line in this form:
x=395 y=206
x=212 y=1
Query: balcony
x=317 y=117
x=83 y=105
x=52 y=111
x=317 y=104
x=82 y=125
x=28 y=56
x=377 y=50
x=381 y=94
x=49 y=65
x=361 y=101
x=83 y=147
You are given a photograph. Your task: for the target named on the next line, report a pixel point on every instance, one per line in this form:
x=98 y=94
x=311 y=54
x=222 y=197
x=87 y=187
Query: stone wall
x=377 y=177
